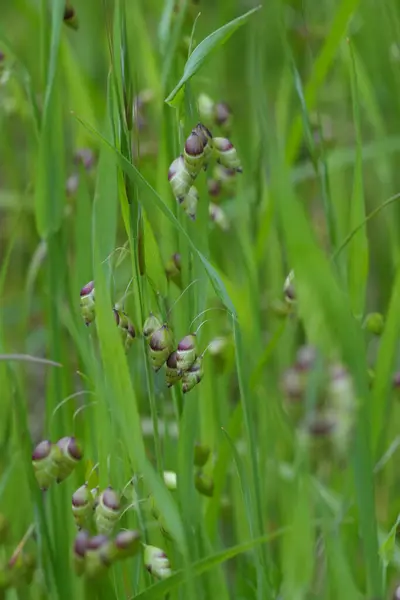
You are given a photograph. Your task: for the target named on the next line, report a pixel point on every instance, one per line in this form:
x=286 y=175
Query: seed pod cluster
x=334 y=406
x=200 y=147
x=94 y=555
x=55 y=462
x=96 y=511
x=123 y=322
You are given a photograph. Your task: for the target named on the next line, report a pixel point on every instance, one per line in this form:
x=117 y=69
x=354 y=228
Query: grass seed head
x=107 y=511
x=160 y=346
x=46 y=459
x=201 y=454
x=71 y=454
x=82 y=506
x=223 y=117
x=151 y=324
x=374 y=323
x=189 y=203
x=204 y=484
x=218 y=215
x=193 y=375
x=172 y=375
x=156 y=562
x=193 y=154
x=87 y=302
x=126 y=543
x=206 y=109
x=170 y=480
x=186 y=352
x=226 y=154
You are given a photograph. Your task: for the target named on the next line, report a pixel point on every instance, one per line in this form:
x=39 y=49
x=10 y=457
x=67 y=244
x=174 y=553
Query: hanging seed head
x=87 y=302
x=173 y=269
x=305 y=358
x=206 y=136
x=374 y=323
x=218 y=216
x=82 y=506
x=226 y=154
x=204 y=485
x=151 y=325
x=126 y=328
x=193 y=375
x=46 y=458
x=289 y=289
x=180 y=178
x=201 y=454
x=156 y=562
x=189 y=203
x=85 y=157
x=214 y=187
x=126 y=543
x=193 y=154
x=223 y=116
x=226 y=178
x=160 y=346
x=186 y=352
x=293 y=384
x=107 y=511
x=71 y=454
x=97 y=556
x=206 y=109
x=79 y=551
x=70 y=17
x=172 y=374
x=170 y=480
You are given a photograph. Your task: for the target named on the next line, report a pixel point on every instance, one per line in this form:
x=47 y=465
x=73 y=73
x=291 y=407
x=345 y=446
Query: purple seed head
x=160 y=338
x=84 y=156
x=204 y=133
x=171 y=361
x=42 y=450
x=81 y=543
x=214 y=187
x=320 y=426
x=224 y=145
x=188 y=342
x=222 y=113
x=305 y=358
x=177 y=260
x=125 y=539
x=111 y=499
x=70 y=446
x=175 y=167
x=96 y=542
x=194 y=145
x=87 y=289
x=81 y=497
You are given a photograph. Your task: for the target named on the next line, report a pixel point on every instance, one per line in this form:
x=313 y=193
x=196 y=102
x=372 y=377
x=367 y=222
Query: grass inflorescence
x=199 y=291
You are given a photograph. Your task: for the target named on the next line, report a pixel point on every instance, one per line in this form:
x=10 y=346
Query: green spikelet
x=206 y=108
x=186 y=353
x=79 y=551
x=226 y=179
x=193 y=375
x=96 y=556
x=160 y=346
x=107 y=511
x=87 y=303
x=151 y=325
x=156 y=562
x=289 y=289
x=201 y=454
x=71 y=454
x=207 y=140
x=46 y=458
x=189 y=203
x=172 y=374
x=226 y=154
x=173 y=270
x=126 y=543
x=126 y=328
x=193 y=154
x=204 y=484
x=218 y=215
x=223 y=117
x=82 y=506
x=179 y=178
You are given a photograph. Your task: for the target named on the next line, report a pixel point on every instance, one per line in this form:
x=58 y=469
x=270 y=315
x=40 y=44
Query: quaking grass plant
x=199 y=333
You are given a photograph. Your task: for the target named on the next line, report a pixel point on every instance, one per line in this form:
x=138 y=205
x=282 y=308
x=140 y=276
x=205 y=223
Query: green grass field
x=267 y=468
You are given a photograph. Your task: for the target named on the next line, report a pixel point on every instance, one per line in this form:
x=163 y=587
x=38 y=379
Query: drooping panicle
x=71 y=454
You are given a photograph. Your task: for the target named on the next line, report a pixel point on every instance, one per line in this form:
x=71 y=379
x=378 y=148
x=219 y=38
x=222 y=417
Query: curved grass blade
x=159 y=590
x=203 y=51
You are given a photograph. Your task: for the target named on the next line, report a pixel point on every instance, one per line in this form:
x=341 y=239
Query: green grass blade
x=203 y=51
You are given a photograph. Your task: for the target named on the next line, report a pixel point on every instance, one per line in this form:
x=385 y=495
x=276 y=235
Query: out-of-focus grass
x=305 y=484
